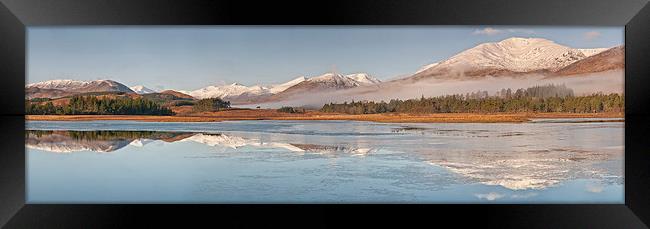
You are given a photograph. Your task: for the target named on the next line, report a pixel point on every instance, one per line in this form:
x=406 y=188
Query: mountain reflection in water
x=106 y=141
x=519 y=169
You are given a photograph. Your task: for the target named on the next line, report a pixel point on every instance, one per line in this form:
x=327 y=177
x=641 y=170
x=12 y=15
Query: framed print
x=483 y=110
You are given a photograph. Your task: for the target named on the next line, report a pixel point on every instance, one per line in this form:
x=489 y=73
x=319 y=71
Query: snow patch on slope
x=515 y=54
x=425 y=67
x=142 y=89
x=64 y=84
x=363 y=79
x=281 y=87
x=591 y=52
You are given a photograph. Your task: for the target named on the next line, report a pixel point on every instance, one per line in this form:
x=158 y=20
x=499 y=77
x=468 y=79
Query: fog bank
x=605 y=82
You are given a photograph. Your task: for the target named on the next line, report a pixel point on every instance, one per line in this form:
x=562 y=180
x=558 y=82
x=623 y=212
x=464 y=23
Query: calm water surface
x=556 y=161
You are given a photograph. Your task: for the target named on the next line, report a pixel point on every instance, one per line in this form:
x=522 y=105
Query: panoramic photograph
x=325 y=114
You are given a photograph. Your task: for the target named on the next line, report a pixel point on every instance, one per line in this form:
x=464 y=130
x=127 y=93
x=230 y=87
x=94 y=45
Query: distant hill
x=168 y=98
x=176 y=94
x=35 y=92
x=60 y=88
x=610 y=59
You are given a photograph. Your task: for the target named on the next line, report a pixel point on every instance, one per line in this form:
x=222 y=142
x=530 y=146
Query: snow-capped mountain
x=142 y=89
x=227 y=91
x=363 y=79
x=327 y=82
x=81 y=86
x=238 y=92
x=67 y=87
x=332 y=80
x=59 y=84
x=509 y=56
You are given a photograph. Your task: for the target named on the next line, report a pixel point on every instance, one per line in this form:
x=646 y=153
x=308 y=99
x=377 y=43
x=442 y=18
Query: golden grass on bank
x=269 y=114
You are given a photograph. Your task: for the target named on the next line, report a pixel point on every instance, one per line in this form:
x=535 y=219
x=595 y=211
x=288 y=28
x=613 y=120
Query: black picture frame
x=16 y=15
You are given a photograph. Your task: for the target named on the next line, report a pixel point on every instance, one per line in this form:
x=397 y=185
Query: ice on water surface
x=325 y=161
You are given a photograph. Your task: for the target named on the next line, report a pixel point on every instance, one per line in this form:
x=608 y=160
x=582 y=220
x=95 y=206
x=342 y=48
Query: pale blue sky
x=191 y=57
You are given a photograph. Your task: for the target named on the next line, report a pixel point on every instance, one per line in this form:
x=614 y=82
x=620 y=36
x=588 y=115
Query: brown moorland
x=184 y=114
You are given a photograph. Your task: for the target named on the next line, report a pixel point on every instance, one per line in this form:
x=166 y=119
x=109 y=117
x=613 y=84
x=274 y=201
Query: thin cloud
x=488 y=31
x=489 y=196
x=594 y=188
x=526 y=31
x=591 y=35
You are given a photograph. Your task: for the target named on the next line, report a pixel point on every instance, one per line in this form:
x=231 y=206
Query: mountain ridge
x=66 y=87
x=512 y=56
x=239 y=93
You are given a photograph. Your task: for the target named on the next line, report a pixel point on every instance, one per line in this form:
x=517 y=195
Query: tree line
x=210 y=104
x=291 y=110
x=98 y=106
x=549 y=98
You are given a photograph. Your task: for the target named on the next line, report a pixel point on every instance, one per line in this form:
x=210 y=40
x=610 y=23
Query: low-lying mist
x=605 y=82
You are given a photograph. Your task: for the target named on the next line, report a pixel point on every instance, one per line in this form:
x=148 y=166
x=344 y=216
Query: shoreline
x=318 y=116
